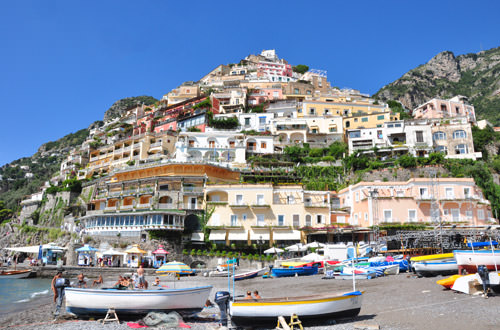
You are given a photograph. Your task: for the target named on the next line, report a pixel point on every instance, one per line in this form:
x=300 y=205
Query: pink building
x=458 y=200
x=276 y=71
x=262 y=95
x=454 y=107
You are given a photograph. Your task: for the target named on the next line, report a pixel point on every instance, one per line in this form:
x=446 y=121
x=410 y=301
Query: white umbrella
x=312 y=257
x=314 y=245
x=273 y=250
x=296 y=248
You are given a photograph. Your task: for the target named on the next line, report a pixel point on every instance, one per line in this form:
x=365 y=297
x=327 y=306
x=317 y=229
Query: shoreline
x=392 y=302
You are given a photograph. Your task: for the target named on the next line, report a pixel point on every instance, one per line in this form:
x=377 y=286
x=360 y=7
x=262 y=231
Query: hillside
x=476 y=76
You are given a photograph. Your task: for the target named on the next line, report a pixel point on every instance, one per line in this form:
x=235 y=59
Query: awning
x=286 y=235
x=217 y=235
x=238 y=235
x=198 y=237
x=259 y=234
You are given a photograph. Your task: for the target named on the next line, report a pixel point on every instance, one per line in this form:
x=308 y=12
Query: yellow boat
x=449 y=281
x=433 y=257
x=293 y=264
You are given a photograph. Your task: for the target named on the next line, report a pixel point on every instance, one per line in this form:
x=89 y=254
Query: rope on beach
x=426 y=305
x=41 y=323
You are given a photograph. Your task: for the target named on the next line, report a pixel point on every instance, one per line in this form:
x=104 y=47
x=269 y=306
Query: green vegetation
x=4 y=212
x=397 y=107
x=222 y=123
x=203 y=104
x=70 y=140
x=301 y=68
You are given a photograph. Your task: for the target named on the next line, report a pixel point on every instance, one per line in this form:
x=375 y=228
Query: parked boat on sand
x=294 y=271
x=139 y=302
x=436 y=267
x=266 y=311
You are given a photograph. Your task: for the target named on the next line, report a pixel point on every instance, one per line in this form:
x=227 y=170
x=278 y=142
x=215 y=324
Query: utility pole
x=435 y=211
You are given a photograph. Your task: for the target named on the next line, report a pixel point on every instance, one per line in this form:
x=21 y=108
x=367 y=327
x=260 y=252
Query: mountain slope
x=476 y=76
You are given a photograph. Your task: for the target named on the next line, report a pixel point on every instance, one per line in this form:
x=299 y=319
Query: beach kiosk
x=134 y=255
x=117 y=257
x=160 y=256
x=86 y=255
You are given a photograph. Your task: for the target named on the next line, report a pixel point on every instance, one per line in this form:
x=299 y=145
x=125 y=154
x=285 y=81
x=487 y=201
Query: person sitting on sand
x=81 y=281
x=256 y=295
x=156 y=282
x=120 y=280
x=249 y=295
x=98 y=281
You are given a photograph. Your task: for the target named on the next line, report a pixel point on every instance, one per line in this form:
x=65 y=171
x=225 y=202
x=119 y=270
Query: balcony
x=143 y=206
x=155 y=145
x=192 y=190
x=239 y=205
x=189 y=206
x=260 y=206
x=167 y=206
x=126 y=207
x=110 y=209
x=316 y=204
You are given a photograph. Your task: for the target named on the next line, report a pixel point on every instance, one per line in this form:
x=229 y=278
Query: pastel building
x=455 y=200
x=249 y=213
x=186 y=91
x=161 y=197
x=436 y=108
x=454 y=139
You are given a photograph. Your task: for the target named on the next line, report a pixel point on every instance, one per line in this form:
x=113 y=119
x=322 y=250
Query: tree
x=4 y=213
x=407 y=161
x=301 y=68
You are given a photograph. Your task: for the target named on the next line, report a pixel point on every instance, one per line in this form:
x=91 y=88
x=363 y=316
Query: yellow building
x=253 y=213
x=372 y=120
x=338 y=106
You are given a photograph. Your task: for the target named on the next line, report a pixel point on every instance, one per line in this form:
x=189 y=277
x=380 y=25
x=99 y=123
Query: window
x=234 y=220
x=412 y=215
x=341 y=218
x=423 y=193
x=319 y=218
x=439 y=136
x=467 y=193
x=355 y=120
x=388 y=215
x=263 y=145
x=308 y=92
x=308 y=220
x=366 y=216
x=355 y=218
x=296 y=220
x=239 y=199
x=260 y=220
x=419 y=135
x=326 y=112
x=333 y=129
x=455 y=214
x=442 y=149
x=356 y=196
x=260 y=199
x=347 y=124
x=312 y=111
x=460 y=149
x=459 y=134
x=380 y=117
x=290 y=199
x=262 y=121
x=480 y=214
x=296 y=91
x=468 y=214
x=244 y=217
x=449 y=192
x=364 y=119
x=247 y=121
x=281 y=220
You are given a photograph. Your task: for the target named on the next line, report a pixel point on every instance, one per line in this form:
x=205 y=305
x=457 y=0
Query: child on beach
x=156 y=282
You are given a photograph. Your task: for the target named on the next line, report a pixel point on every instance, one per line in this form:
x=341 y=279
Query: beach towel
x=136 y=325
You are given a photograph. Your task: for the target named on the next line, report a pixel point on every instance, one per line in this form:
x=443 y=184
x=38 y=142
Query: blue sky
x=63 y=63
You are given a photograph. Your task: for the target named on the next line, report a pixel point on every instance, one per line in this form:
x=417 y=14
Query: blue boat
x=294 y=271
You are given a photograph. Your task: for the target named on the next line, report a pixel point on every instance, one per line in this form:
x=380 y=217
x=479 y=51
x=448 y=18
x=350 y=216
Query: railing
x=318 y=204
x=126 y=207
x=143 y=206
x=189 y=206
x=156 y=144
x=110 y=208
x=167 y=206
x=192 y=189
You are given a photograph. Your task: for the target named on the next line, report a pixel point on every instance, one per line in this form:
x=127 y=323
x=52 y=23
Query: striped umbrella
x=175 y=267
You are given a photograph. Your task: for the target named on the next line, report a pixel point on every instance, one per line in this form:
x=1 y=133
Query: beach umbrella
x=273 y=250
x=314 y=245
x=296 y=248
x=174 y=267
x=312 y=257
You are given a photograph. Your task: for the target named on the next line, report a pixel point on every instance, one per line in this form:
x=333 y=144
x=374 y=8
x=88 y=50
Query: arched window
x=459 y=134
x=439 y=135
x=442 y=149
x=461 y=149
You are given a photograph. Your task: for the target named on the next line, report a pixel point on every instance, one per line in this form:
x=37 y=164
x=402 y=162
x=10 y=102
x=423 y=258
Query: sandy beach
x=393 y=302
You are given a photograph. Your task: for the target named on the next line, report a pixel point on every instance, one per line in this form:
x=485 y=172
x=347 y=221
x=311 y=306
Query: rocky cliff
x=476 y=76
x=119 y=107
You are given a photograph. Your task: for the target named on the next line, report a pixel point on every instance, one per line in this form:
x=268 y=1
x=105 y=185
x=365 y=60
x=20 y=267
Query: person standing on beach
x=58 y=289
x=140 y=274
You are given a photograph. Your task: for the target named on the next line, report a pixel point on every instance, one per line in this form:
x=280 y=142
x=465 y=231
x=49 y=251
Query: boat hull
x=266 y=311
x=16 y=274
x=469 y=260
x=137 y=302
x=433 y=268
x=297 y=271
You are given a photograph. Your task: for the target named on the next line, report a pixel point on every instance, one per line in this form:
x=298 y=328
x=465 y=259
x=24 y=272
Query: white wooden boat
x=469 y=259
x=251 y=274
x=98 y=301
x=24 y=273
x=267 y=310
x=436 y=267
x=391 y=270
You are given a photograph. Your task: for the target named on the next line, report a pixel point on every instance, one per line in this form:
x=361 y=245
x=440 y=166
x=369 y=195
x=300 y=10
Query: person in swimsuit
x=81 y=281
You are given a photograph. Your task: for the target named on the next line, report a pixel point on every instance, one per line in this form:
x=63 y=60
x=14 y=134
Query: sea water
x=14 y=293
